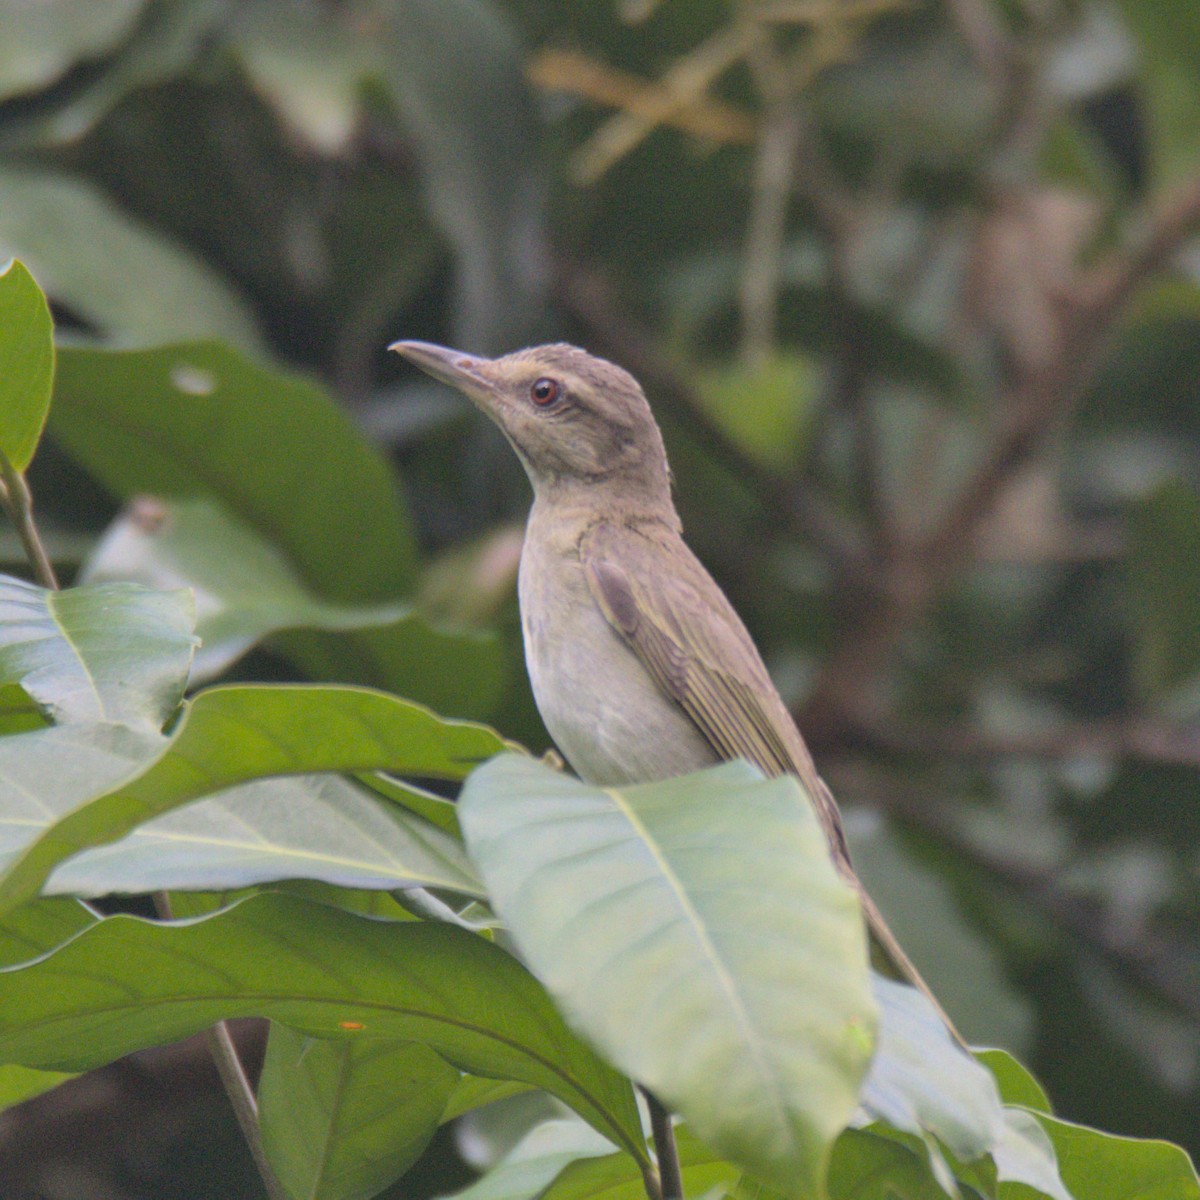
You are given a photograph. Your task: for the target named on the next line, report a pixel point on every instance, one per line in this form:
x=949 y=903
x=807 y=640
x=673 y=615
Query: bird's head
x=572 y=418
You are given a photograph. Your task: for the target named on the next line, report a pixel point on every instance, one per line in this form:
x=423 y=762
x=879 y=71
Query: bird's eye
x=544 y=392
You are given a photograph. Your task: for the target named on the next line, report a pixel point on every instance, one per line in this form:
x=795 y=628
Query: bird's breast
x=606 y=714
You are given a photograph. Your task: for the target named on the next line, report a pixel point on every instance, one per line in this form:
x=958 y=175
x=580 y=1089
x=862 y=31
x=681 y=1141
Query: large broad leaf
x=164 y=41
x=127 y=983
x=697 y=932
x=113 y=653
x=924 y=1084
x=126 y=279
x=25 y=934
x=316 y=827
x=110 y=664
x=39 y=42
x=342 y=1120
x=40 y=926
x=1100 y=1166
x=232 y=735
x=247 y=590
x=26 y=363
x=201 y=420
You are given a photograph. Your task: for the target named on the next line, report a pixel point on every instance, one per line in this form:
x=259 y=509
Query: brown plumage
x=640 y=666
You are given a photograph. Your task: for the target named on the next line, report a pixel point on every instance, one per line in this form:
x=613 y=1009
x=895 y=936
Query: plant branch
x=1140 y=738
x=18 y=503
x=236 y=1083
x=1039 y=401
x=665 y=1147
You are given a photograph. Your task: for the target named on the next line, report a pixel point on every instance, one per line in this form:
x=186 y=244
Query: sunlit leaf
x=233 y=735
x=112 y=653
x=632 y=905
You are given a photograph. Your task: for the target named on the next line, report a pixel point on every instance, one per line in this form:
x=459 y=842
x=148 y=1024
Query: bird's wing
x=693 y=644
x=697 y=650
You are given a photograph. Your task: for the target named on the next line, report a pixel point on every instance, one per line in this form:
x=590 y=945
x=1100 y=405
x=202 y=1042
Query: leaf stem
x=18 y=503
x=665 y=1147
x=236 y=1083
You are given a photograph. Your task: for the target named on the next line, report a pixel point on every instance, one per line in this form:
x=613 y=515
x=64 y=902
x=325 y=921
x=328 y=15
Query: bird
x=639 y=664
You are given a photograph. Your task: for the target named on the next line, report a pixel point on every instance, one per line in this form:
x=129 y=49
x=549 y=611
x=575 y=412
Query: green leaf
x=40 y=42
x=1163 y=589
x=473 y=1091
x=1016 y=1084
x=320 y=828
x=1168 y=38
x=866 y=1166
x=116 y=653
x=18 y=1084
x=342 y=1120
x=767 y=409
x=162 y=44
x=614 y=1177
x=41 y=925
x=231 y=735
x=1101 y=1166
x=247 y=590
x=126 y=279
x=309 y=64
x=186 y=421
x=127 y=983
x=109 y=663
x=632 y=905
x=922 y=1082
x=26 y=363
x=535 y=1161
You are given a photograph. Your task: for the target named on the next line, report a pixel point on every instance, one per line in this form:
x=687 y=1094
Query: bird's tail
x=886 y=940
x=831 y=820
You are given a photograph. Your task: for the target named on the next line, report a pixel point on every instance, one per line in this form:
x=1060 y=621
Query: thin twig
x=665 y=1147
x=1143 y=739
x=236 y=1084
x=18 y=503
x=684 y=84
x=774 y=175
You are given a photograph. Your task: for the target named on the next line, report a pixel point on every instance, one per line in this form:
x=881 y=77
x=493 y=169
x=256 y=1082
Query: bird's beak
x=465 y=372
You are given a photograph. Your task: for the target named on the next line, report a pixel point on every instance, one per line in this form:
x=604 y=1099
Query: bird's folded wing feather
x=697 y=650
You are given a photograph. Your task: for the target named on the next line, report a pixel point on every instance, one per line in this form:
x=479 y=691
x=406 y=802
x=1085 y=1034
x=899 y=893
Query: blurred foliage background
x=914 y=290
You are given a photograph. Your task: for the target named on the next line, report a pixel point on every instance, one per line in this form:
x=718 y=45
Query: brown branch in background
x=1036 y=407
x=681 y=88
x=579 y=75
x=1139 y=738
x=775 y=162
